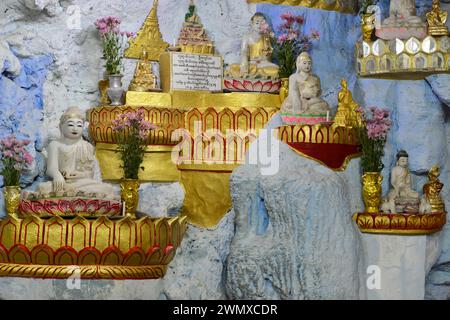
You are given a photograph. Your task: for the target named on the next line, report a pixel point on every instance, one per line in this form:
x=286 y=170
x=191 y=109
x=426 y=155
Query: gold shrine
x=402 y=52
x=149 y=37
x=206 y=183
x=396 y=58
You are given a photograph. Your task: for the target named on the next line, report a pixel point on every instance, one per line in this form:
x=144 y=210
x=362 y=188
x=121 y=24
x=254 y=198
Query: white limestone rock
x=161 y=199
x=8 y=61
x=292 y=230
x=197 y=271
x=440 y=84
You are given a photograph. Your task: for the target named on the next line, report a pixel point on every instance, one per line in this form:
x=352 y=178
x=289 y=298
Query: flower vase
x=12 y=200
x=115 y=90
x=129 y=193
x=371 y=182
x=284 y=90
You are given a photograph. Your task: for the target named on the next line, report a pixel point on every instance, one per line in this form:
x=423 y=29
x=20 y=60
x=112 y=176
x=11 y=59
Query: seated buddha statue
x=432 y=200
x=192 y=17
x=304 y=90
x=346 y=115
x=70 y=163
x=256 y=54
x=144 y=79
x=436 y=20
x=402 y=198
x=402 y=22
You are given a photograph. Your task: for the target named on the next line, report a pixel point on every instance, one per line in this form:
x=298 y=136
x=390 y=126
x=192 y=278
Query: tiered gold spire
x=149 y=37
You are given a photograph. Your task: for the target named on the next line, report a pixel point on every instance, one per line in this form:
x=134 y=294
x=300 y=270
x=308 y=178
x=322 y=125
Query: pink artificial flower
x=143 y=134
x=299 y=19
x=8 y=154
x=315 y=34
x=292 y=35
x=8 y=142
x=288 y=17
x=28 y=158
x=282 y=38
x=286 y=26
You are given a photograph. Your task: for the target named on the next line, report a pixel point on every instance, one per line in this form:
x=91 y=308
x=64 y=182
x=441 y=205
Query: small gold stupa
x=346 y=115
x=193 y=36
x=149 y=37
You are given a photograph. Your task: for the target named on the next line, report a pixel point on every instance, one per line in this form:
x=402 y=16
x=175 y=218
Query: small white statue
x=402 y=22
x=402 y=197
x=402 y=11
x=304 y=90
x=70 y=162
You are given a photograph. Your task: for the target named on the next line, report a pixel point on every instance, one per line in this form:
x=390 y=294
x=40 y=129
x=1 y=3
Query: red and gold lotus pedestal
x=101 y=248
x=400 y=223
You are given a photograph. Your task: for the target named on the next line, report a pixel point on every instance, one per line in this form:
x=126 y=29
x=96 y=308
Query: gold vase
x=12 y=200
x=372 y=191
x=129 y=193
x=103 y=85
x=284 y=90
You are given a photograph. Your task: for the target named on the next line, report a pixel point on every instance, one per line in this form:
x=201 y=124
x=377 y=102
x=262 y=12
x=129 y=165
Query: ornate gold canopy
x=149 y=37
x=346 y=6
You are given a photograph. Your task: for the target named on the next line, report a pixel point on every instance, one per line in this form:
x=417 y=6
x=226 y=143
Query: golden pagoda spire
x=149 y=38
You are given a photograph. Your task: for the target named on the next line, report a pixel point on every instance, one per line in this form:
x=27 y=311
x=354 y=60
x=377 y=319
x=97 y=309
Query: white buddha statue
x=304 y=90
x=70 y=162
x=402 y=22
x=401 y=198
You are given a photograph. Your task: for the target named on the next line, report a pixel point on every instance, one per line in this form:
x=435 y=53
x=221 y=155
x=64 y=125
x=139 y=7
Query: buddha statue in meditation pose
x=144 y=79
x=70 y=163
x=256 y=53
x=436 y=20
x=304 y=90
x=402 y=198
x=346 y=115
x=402 y=22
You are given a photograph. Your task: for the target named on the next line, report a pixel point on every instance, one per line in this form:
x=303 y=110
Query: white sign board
x=196 y=72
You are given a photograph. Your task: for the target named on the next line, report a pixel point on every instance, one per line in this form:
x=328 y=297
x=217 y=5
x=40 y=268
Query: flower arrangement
x=15 y=158
x=113 y=43
x=132 y=132
x=290 y=42
x=372 y=137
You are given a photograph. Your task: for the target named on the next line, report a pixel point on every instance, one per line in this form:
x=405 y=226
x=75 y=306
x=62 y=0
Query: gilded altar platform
x=101 y=248
x=201 y=138
x=400 y=223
